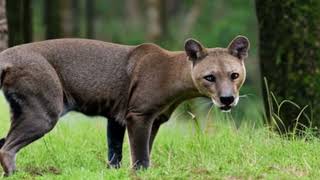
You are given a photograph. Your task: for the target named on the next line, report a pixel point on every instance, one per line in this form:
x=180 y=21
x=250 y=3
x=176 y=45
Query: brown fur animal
x=135 y=87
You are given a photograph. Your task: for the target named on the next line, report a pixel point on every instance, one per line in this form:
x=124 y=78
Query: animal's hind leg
x=36 y=102
x=25 y=128
x=20 y=135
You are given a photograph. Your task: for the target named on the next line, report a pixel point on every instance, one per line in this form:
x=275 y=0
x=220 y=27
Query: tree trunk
x=66 y=18
x=290 y=60
x=157 y=24
x=3 y=26
x=52 y=19
x=191 y=18
x=27 y=21
x=133 y=15
x=174 y=7
x=19 y=17
x=90 y=18
x=75 y=18
x=164 y=20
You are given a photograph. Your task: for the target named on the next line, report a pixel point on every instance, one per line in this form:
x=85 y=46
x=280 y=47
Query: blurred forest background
x=286 y=32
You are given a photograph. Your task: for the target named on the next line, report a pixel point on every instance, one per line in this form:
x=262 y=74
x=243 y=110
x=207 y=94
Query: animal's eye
x=210 y=78
x=234 y=76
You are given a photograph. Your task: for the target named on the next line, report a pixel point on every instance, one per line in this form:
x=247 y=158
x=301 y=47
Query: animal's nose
x=226 y=100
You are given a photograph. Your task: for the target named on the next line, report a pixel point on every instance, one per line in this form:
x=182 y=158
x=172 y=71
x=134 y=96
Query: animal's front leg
x=115 y=135
x=139 y=129
x=155 y=128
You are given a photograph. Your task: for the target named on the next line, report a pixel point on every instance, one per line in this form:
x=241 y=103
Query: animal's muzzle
x=227 y=100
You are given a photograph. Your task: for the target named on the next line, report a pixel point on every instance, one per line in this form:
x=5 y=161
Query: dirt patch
x=101 y=156
x=291 y=170
x=234 y=178
x=40 y=171
x=200 y=171
x=240 y=178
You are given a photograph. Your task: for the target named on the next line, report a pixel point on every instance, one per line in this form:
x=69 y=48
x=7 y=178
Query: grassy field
x=76 y=149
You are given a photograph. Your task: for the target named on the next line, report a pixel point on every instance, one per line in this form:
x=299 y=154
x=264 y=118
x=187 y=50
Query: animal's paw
x=114 y=165
x=7 y=161
x=141 y=165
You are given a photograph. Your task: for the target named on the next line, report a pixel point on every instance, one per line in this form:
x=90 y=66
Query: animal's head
x=219 y=72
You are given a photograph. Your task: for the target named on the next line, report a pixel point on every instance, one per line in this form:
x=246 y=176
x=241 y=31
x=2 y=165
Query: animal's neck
x=184 y=87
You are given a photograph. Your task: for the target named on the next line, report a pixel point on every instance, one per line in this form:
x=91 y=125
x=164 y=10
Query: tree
x=75 y=18
x=133 y=13
x=3 y=26
x=19 y=21
x=67 y=18
x=90 y=18
x=191 y=18
x=157 y=21
x=290 y=59
x=52 y=19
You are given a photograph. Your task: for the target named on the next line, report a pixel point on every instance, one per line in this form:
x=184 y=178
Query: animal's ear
x=239 y=47
x=194 y=49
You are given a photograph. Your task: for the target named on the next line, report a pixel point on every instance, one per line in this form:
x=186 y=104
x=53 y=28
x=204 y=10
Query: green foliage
x=76 y=149
x=290 y=56
x=219 y=21
x=18 y=21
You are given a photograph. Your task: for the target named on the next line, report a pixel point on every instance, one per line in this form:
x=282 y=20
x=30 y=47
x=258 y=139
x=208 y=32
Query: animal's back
x=93 y=73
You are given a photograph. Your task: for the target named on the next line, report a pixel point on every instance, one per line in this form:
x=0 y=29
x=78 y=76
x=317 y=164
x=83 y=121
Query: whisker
x=243 y=97
x=246 y=95
x=206 y=102
x=207 y=116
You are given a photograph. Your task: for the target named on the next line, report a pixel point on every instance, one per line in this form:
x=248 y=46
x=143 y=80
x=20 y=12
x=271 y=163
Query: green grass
x=76 y=149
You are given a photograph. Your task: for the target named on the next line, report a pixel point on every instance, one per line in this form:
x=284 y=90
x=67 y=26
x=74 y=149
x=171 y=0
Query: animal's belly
x=114 y=108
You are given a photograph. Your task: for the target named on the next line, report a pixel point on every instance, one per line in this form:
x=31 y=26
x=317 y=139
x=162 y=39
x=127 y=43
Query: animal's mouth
x=225 y=108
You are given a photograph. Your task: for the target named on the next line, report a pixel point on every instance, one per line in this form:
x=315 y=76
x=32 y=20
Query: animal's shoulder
x=142 y=53
x=147 y=48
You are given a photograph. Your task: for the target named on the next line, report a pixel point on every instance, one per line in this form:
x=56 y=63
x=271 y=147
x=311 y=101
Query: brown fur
x=137 y=86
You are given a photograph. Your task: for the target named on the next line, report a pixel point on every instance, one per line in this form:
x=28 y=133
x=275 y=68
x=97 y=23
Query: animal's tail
x=1 y=80
x=1 y=76
x=3 y=70
x=2 y=142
